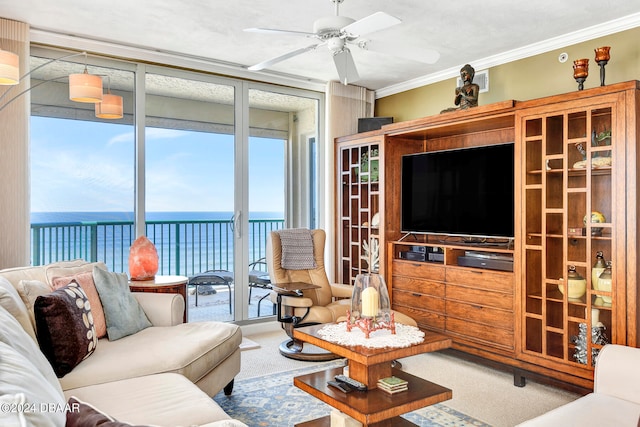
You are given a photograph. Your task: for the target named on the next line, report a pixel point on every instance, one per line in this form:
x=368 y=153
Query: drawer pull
x=416 y=295
x=478 y=307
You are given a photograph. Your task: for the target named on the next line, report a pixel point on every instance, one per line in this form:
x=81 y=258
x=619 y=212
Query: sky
x=79 y=165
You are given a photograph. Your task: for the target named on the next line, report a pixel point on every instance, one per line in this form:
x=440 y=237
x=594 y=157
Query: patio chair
x=212 y=278
x=259 y=278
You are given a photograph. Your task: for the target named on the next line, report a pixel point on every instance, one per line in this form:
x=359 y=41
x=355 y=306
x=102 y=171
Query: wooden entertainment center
x=516 y=316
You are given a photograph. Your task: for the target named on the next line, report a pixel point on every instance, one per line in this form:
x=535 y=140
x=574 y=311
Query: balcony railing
x=184 y=247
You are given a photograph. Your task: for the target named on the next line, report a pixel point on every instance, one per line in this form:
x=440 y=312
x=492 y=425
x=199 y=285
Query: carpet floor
x=273 y=401
x=478 y=391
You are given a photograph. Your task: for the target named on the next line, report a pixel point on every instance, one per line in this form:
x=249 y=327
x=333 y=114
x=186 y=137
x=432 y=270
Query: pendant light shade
x=85 y=87
x=110 y=107
x=9 y=69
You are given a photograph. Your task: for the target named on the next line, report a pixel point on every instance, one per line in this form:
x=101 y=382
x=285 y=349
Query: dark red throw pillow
x=65 y=329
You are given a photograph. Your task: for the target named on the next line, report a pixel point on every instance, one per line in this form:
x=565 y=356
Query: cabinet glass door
x=359 y=177
x=567 y=210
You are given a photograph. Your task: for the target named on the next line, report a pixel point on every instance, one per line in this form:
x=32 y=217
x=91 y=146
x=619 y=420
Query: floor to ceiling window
x=220 y=164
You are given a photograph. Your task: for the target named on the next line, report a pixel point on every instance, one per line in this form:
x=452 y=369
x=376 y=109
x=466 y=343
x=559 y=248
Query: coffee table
x=373 y=408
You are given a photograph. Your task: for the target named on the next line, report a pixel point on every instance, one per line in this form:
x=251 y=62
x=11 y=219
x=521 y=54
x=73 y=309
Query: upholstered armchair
x=324 y=304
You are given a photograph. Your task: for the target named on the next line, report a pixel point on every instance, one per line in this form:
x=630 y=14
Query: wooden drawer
x=474 y=295
x=487 y=335
x=421 y=270
x=414 y=299
x=412 y=284
x=481 y=279
x=480 y=314
x=424 y=319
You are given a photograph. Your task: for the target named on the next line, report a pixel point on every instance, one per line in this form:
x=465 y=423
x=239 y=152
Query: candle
x=370 y=302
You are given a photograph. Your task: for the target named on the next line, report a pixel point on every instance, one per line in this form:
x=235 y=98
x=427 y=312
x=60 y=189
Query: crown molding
x=589 y=33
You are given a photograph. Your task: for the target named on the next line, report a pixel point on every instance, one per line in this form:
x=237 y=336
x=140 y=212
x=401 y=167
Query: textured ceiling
x=212 y=30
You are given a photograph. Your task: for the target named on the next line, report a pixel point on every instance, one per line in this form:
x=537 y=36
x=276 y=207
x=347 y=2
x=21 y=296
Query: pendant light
x=85 y=87
x=111 y=105
x=9 y=68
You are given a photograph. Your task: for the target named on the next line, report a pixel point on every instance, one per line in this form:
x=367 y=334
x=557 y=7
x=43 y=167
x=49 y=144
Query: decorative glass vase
x=370 y=305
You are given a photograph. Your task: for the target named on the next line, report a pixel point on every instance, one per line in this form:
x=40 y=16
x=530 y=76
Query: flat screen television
x=461 y=192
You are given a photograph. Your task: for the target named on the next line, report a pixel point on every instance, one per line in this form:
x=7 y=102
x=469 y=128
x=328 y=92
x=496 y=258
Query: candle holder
x=370 y=305
x=602 y=57
x=580 y=71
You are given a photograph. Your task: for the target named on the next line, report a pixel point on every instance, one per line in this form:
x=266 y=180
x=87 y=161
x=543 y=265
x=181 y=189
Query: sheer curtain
x=14 y=154
x=345 y=105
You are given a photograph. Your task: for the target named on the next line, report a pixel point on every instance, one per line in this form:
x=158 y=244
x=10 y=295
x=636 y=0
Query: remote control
x=343 y=387
x=351 y=382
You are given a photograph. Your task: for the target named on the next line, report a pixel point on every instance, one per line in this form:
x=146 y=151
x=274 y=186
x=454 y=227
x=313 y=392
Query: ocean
x=46 y=217
x=187 y=242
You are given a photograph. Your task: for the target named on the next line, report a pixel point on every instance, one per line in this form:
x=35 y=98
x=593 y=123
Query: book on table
x=393 y=384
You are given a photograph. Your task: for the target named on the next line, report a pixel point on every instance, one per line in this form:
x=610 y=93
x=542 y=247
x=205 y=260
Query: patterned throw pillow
x=85 y=280
x=65 y=328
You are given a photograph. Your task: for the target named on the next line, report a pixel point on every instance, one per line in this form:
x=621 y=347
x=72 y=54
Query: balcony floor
x=216 y=306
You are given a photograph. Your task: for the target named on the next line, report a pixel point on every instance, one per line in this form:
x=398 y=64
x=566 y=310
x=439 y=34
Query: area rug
x=273 y=401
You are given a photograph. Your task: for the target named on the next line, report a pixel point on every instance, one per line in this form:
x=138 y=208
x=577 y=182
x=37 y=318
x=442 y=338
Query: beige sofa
x=615 y=400
x=163 y=375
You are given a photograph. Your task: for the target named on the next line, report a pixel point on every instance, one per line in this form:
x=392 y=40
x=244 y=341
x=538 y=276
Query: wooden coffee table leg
x=369 y=375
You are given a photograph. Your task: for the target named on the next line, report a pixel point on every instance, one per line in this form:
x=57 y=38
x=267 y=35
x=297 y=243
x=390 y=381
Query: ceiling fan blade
x=268 y=63
x=376 y=22
x=277 y=31
x=346 y=66
x=401 y=50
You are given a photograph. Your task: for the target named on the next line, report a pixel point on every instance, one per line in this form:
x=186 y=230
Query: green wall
x=530 y=78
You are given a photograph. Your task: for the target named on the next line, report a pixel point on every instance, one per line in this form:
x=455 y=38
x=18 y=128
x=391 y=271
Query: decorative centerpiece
x=370 y=305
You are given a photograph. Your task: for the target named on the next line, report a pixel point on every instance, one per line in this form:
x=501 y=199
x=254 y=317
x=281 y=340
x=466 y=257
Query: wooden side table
x=163 y=285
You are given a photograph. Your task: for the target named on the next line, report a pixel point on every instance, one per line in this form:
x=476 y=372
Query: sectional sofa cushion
x=23 y=384
x=83 y=414
x=122 y=312
x=190 y=349
x=85 y=280
x=11 y=334
x=163 y=399
x=64 y=322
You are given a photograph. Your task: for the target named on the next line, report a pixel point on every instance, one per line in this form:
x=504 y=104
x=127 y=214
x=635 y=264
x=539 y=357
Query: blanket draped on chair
x=297 y=249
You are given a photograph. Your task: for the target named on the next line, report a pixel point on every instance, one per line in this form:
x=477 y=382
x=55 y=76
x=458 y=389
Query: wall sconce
x=83 y=87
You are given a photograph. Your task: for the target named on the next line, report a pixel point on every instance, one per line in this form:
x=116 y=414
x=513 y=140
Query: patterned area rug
x=273 y=401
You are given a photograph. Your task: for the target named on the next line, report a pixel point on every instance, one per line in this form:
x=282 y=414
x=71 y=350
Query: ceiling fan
x=337 y=32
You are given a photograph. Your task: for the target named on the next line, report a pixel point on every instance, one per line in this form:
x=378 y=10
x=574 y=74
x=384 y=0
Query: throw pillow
x=82 y=414
x=85 y=280
x=29 y=291
x=122 y=312
x=64 y=323
x=11 y=301
x=61 y=270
